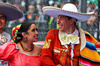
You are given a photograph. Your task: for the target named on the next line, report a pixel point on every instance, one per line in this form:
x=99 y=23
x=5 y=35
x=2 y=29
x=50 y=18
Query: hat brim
x=55 y=12
x=10 y=11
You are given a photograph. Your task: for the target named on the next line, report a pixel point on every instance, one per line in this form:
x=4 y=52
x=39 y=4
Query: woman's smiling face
x=32 y=33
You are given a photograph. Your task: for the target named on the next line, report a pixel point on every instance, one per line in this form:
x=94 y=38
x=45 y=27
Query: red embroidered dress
x=10 y=53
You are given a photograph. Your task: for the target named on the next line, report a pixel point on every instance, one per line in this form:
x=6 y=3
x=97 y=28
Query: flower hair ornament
x=15 y=32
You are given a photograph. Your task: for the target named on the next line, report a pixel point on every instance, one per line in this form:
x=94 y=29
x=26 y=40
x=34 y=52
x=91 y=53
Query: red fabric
x=8 y=52
x=46 y=55
x=98 y=45
x=53 y=52
x=49 y=54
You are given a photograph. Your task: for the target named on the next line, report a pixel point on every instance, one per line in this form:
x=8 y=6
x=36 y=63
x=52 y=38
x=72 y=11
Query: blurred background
x=32 y=12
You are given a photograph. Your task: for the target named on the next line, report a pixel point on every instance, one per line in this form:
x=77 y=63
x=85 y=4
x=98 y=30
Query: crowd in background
x=32 y=11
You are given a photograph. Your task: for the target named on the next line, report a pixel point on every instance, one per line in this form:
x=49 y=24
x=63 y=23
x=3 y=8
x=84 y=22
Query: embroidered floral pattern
x=47 y=44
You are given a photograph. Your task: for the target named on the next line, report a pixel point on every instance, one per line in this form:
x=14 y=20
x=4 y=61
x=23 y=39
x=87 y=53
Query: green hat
x=93 y=1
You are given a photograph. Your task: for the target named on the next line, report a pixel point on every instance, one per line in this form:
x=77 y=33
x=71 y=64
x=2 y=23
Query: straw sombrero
x=10 y=11
x=67 y=10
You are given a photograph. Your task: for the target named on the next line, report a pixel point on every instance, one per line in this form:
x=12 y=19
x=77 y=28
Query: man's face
x=64 y=23
x=2 y=21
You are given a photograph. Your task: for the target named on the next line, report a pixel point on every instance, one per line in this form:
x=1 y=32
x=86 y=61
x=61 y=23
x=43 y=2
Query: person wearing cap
x=22 y=51
x=69 y=45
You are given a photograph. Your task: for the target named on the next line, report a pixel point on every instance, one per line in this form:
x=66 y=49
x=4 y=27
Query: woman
x=22 y=52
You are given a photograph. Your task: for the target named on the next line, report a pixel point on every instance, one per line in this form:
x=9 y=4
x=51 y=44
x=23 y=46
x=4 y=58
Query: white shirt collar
x=76 y=32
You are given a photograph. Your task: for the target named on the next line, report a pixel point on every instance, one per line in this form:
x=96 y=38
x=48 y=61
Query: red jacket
x=54 y=53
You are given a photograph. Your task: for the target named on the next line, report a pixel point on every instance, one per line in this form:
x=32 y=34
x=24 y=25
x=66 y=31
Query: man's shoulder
x=5 y=33
x=54 y=30
x=52 y=33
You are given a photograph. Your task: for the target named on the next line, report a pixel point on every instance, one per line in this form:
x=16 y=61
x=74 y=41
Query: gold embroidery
x=62 y=57
x=47 y=44
x=64 y=50
x=57 y=48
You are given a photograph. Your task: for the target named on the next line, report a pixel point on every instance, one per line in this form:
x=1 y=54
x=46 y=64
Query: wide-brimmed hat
x=67 y=10
x=10 y=11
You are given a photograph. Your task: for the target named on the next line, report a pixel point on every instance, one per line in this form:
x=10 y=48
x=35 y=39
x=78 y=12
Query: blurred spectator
x=1 y=1
x=23 y=5
x=9 y=25
x=33 y=2
x=62 y=4
x=8 y=2
x=18 y=1
x=42 y=17
x=31 y=15
x=91 y=7
x=44 y=2
x=51 y=2
x=52 y=24
x=20 y=6
x=91 y=22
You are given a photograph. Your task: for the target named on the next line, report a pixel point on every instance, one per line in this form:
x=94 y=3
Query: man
x=31 y=16
x=8 y=13
x=70 y=45
x=4 y=37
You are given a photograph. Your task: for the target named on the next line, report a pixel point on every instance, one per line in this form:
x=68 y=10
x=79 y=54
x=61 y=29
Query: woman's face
x=32 y=34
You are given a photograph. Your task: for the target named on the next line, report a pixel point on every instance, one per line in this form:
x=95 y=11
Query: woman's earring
x=25 y=39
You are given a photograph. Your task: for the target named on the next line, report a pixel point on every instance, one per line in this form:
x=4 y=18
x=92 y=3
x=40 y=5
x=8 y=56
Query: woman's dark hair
x=24 y=27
